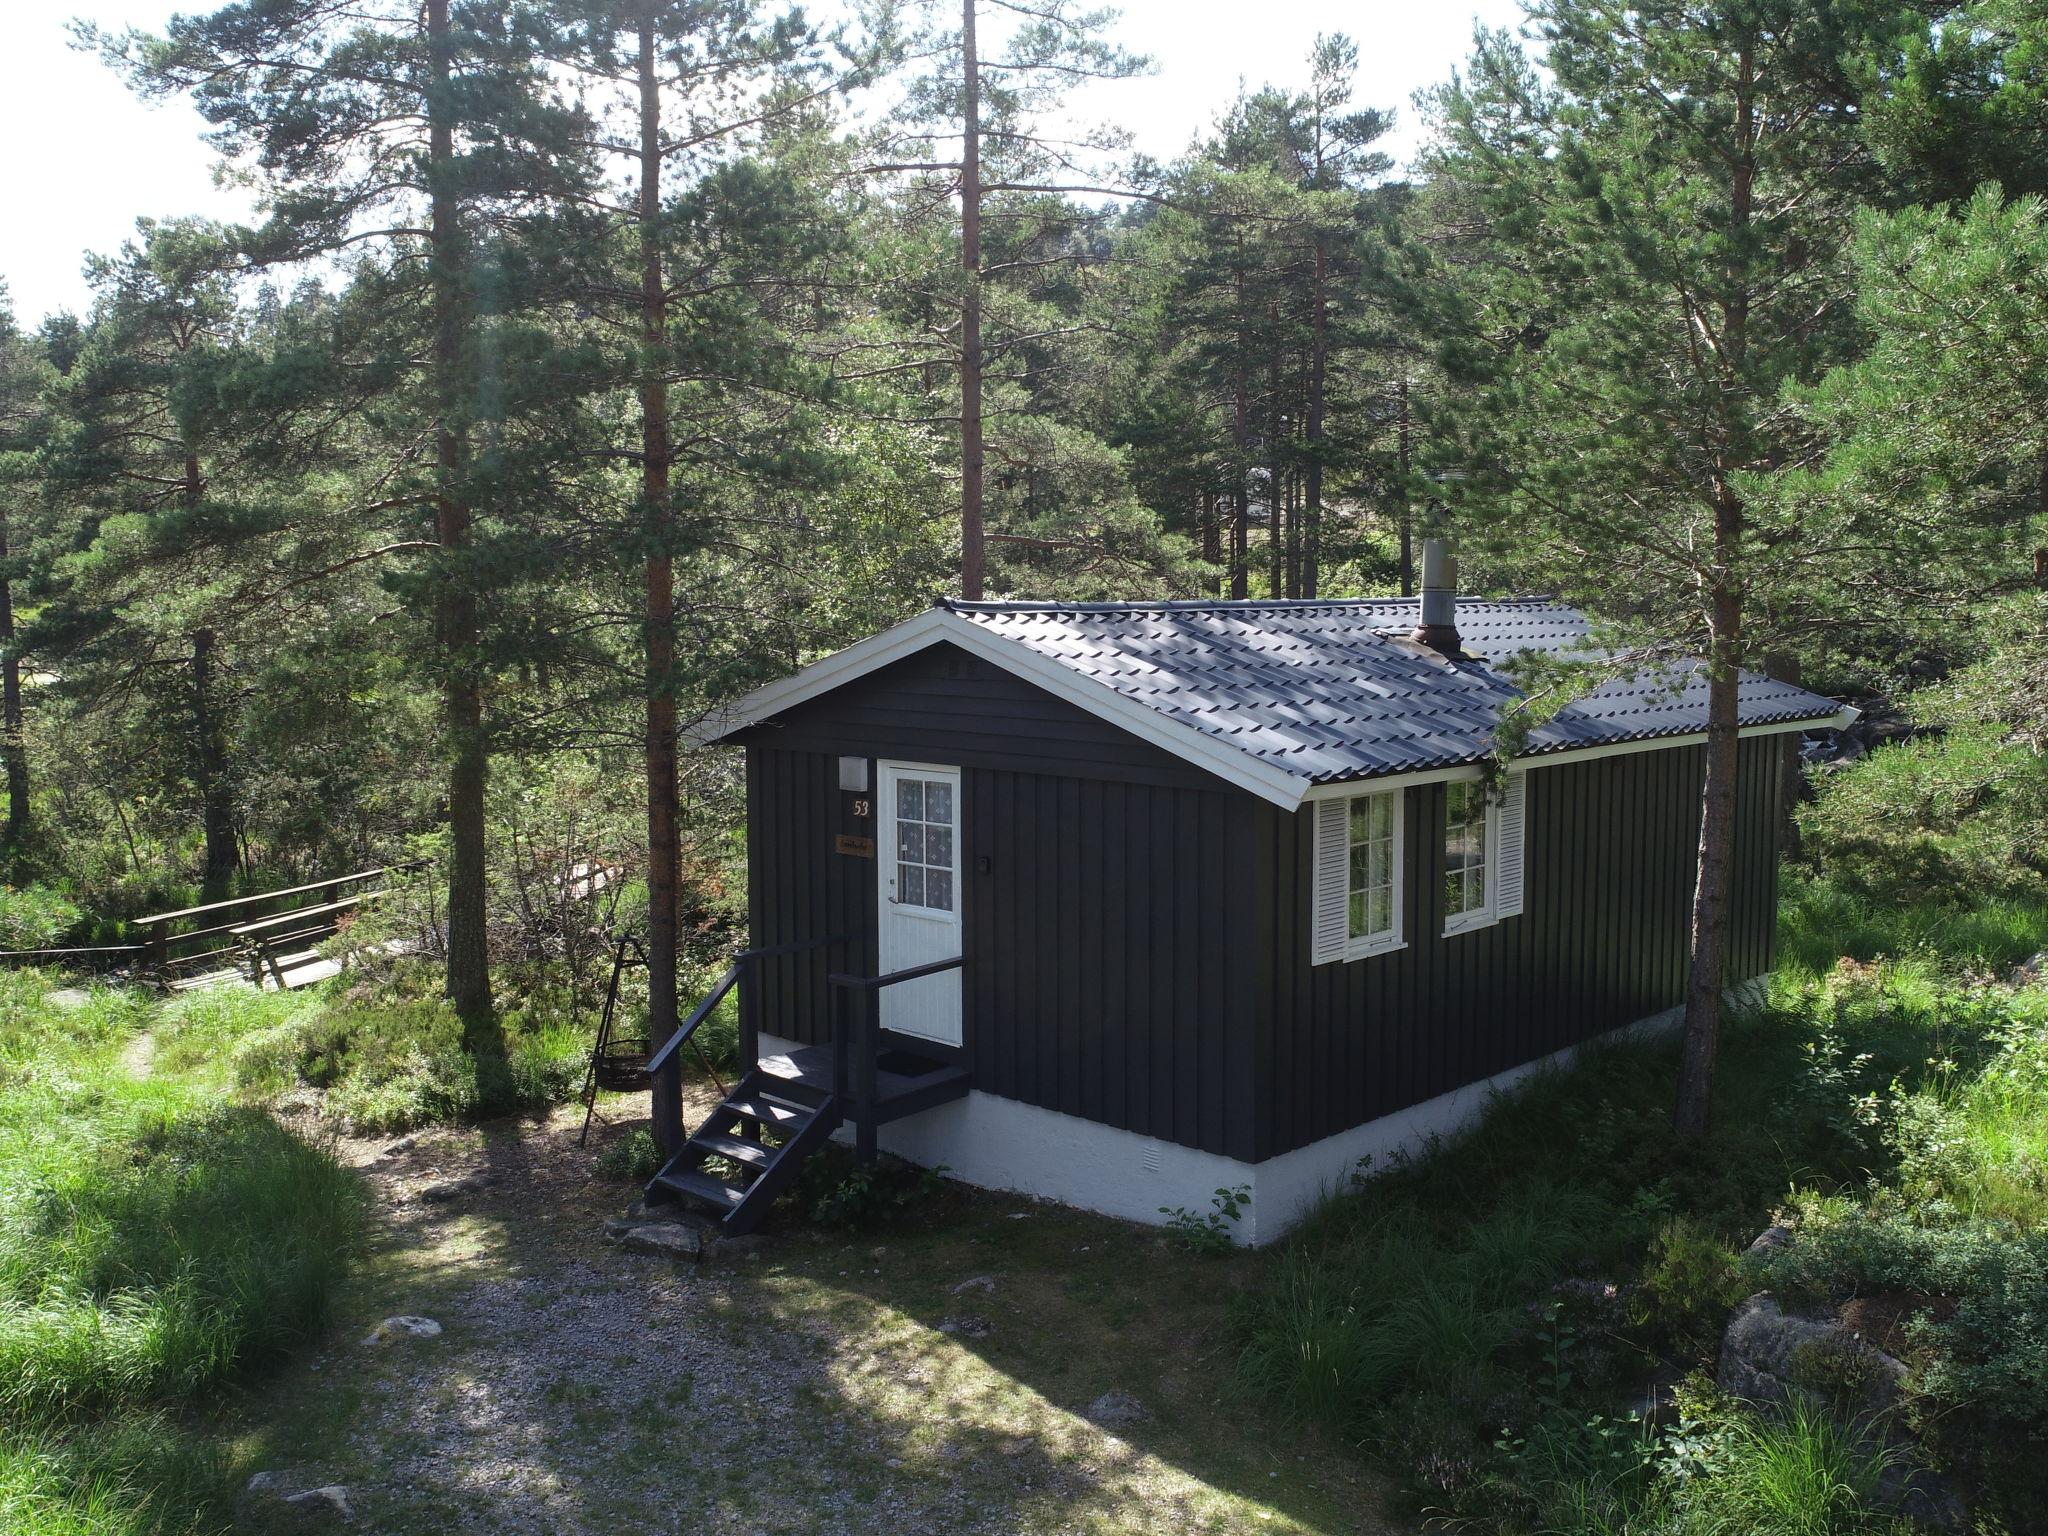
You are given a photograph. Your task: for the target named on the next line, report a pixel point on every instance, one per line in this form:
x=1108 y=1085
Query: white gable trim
x=936 y=625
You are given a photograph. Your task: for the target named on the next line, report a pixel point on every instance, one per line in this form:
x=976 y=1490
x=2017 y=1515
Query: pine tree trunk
x=1294 y=534
x=209 y=750
x=468 y=981
x=971 y=454
x=1212 y=534
x=1318 y=369
x=1276 y=543
x=1693 y=1116
x=12 y=748
x=663 y=836
x=216 y=803
x=1710 y=905
x=1240 y=442
x=1406 y=510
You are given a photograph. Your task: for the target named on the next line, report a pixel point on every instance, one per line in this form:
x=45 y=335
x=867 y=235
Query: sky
x=86 y=158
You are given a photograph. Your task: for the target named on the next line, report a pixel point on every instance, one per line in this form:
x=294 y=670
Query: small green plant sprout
x=1209 y=1232
x=631 y=1158
x=868 y=1195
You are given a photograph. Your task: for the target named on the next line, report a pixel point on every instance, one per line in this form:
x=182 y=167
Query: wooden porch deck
x=905 y=1083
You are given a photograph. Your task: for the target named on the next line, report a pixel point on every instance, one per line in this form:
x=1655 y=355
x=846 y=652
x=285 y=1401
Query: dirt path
x=932 y=1376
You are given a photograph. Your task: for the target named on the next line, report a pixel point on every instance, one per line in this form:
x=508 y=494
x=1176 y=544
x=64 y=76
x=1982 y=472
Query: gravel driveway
x=935 y=1375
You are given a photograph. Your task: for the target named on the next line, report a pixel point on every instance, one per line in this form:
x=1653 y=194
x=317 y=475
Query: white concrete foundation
x=998 y=1143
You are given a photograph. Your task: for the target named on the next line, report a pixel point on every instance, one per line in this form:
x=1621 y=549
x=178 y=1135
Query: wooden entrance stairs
x=785 y=1107
x=750 y=1148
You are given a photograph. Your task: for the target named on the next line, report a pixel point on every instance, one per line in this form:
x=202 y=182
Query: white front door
x=919 y=866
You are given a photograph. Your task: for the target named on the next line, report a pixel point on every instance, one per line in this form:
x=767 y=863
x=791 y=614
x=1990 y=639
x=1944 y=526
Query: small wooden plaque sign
x=859 y=847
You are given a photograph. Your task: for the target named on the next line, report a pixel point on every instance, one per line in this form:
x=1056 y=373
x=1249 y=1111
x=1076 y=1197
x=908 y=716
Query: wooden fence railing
x=190 y=938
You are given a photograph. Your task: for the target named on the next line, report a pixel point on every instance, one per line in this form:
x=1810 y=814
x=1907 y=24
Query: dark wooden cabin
x=1121 y=904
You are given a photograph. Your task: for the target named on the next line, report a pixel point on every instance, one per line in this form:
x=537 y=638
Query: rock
x=1657 y=1403
x=663 y=1240
x=967 y=1327
x=1777 y=1235
x=975 y=1283
x=1921 y=1496
x=456 y=1189
x=268 y=1504
x=642 y=1213
x=2030 y=972
x=395 y=1330
x=745 y=1248
x=1769 y=1355
x=68 y=999
x=1114 y=1410
x=402 y=1146
x=320 y=1505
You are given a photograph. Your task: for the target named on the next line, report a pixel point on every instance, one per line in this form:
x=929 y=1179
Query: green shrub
x=390 y=1061
x=35 y=917
x=1691 y=1282
x=1801 y=1473
x=1949 y=819
x=840 y=1193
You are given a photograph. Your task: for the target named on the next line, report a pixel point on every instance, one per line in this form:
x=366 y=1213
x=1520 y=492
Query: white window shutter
x=1330 y=882
x=1507 y=863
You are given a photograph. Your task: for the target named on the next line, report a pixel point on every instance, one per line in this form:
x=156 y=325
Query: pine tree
x=141 y=449
x=433 y=131
x=1666 y=227
x=25 y=384
x=699 y=78
x=995 y=93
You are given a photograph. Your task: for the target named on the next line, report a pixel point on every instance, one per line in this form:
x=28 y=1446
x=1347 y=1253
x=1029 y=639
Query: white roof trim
x=1248 y=773
x=937 y=624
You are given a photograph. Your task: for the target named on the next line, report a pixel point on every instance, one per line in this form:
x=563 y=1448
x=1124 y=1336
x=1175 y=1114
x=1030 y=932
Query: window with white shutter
x=1357 y=879
x=1482 y=852
x=1514 y=798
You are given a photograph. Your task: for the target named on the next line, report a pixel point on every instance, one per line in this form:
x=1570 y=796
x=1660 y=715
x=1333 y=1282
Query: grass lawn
x=1486 y=1322
x=193 y=1257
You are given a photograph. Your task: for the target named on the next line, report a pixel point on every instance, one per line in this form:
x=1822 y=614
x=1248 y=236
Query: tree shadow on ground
x=833 y=1382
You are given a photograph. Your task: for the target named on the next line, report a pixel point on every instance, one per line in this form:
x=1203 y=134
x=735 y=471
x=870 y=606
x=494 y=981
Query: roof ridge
x=1229 y=605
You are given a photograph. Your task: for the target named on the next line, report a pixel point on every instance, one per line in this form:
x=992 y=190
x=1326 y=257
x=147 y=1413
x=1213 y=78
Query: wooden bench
x=267 y=936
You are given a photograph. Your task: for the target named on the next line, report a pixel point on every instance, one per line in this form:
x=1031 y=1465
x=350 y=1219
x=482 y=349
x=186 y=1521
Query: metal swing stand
x=619 y=1064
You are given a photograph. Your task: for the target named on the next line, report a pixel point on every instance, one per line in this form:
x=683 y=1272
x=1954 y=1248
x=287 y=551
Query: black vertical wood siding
x=1138 y=947
x=1107 y=973
x=1611 y=847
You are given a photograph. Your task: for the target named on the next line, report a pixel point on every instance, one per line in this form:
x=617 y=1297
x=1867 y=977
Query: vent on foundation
x=1152 y=1157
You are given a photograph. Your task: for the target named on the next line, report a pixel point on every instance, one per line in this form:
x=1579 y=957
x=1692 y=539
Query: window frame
x=1487 y=913
x=1394 y=937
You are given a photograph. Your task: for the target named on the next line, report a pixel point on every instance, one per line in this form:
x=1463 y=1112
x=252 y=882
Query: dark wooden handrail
x=853 y=1070
x=725 y=984
x=702 y=1011
x=910 y=973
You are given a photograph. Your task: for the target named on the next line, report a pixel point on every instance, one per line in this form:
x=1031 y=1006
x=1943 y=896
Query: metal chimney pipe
x=1438 y=628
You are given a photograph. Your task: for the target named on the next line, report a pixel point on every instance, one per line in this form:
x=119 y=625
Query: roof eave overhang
x=1842 y=718
x=1274 y=785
